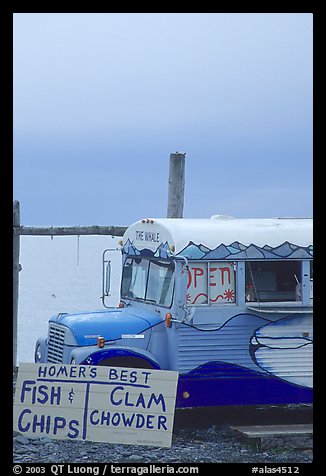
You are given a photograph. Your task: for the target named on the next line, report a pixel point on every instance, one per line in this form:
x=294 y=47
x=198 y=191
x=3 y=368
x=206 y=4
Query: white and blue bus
x=225 y=302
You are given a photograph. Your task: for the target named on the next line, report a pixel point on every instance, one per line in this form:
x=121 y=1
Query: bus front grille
x=56 y=343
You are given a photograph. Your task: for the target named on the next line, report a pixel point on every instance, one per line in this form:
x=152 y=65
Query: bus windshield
x=151 y=281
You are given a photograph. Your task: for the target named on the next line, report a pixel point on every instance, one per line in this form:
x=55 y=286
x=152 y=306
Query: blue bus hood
x=110 y=324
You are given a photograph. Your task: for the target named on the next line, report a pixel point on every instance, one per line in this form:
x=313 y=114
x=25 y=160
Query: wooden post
x=176 y=185
x=16 y=269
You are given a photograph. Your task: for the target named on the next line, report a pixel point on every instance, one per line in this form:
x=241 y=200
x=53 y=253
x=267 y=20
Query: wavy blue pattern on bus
x=219 y=383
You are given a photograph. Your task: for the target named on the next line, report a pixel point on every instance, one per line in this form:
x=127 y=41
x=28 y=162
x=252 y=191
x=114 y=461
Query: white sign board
x=105 y=404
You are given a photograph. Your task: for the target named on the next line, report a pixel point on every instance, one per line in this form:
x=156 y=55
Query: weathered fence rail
x=176 y=188
x=70 y=230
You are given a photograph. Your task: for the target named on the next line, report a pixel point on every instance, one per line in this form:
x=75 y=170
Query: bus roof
x=221 y=238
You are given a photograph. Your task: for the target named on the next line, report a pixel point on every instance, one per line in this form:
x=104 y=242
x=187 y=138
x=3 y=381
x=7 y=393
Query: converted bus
x=225 y=302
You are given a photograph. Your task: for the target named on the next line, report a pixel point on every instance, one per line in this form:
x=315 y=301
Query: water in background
x=63 y=274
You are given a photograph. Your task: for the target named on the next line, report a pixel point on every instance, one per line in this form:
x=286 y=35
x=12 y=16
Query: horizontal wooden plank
x=70 y=230
x=259 y=431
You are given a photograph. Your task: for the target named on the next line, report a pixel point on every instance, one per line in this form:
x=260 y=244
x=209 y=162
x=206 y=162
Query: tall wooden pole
x=176 y=185
x=16 y=269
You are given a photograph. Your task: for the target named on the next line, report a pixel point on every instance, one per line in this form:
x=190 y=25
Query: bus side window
x=273 y=281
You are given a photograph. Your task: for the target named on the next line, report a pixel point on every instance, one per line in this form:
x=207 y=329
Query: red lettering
x=197 y=272
x=189 y=279
x=225 y=270
x=211 y=276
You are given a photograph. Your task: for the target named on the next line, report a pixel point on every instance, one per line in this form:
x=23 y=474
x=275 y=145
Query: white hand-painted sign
x=212 y=281
x=104 y=404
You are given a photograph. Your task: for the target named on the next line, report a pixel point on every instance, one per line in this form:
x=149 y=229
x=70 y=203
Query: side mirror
x=106 y=275
x=106 y=278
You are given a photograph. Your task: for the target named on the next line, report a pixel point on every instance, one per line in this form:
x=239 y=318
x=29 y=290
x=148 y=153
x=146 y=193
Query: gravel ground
x=199 y=436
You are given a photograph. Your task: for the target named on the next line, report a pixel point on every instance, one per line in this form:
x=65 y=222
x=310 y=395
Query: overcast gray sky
x=102 y=99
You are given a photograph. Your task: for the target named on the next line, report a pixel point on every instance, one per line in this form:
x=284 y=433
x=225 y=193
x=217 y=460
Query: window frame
x=150 y=260
x=210 y=264
x=304 y=279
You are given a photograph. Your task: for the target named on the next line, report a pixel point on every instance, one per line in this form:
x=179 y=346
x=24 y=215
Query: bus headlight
x=38 y=354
